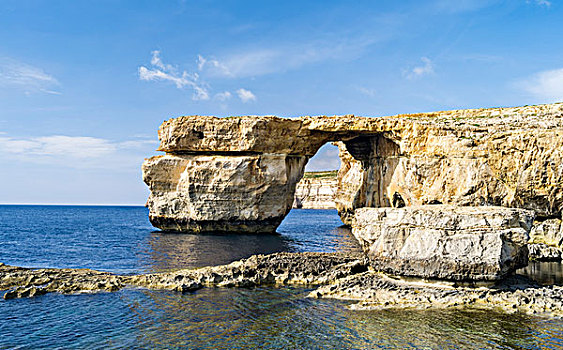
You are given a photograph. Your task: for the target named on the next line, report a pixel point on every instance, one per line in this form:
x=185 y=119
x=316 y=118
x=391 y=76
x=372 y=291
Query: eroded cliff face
x=239 y=173
x=199 y=193
x=316 y=191
x=508 y=157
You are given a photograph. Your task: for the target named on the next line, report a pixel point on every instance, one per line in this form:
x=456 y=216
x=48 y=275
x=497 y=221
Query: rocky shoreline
x=337 y=276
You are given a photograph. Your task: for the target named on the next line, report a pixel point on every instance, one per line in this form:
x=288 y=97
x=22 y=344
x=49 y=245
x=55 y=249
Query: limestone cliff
x=239 y=173
x=316 y=190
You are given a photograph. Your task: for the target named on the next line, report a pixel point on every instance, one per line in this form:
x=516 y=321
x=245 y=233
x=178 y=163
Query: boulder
x=445 y=242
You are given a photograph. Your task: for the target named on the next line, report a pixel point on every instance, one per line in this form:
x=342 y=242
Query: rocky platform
x=239 y=174
x=336 y=276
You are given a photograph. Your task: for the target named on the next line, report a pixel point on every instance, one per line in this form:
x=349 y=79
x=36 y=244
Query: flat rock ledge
x=338 y=276
x=378 y=291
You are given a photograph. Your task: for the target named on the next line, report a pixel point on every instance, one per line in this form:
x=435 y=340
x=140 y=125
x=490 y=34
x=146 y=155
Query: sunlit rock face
x=239 y=174
x=445 y=242
x=200 y=193
x=504 y=156
x=316 y=191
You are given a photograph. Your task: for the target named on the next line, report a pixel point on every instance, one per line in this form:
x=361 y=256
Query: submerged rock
x=445 y=242
x=377 y=291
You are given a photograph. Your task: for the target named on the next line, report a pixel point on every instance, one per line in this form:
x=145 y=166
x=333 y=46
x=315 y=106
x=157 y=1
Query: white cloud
x=29 y=78
x=213 y=66
x=419 y=71
x=546 y=85
x=167 y=72
x=246 y=95
x=268 y=60
x=223 y=96
x=74 y=151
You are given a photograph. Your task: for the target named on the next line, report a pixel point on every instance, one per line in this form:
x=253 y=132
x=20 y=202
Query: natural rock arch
x=239 y=174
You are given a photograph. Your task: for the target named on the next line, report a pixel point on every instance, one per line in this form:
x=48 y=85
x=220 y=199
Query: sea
x=121 y=240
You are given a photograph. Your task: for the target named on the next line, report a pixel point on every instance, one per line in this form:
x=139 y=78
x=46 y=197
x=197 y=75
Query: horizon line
x=78 y=204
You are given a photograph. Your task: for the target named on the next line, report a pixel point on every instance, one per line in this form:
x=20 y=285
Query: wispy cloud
x=159 y=71
x=213 y=65
x=166 y=72
x=26 y=77
x=425 y=69
x=223 y=96
x=460 y=6
x=325 y=159
x=73 y=151
x=545 y=3
x=546 y=85
x=284 y=57
x=246 y=95
x=366 y=91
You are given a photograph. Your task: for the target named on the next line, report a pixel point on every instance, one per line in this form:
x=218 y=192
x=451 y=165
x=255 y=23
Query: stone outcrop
x=445 y=242
x=503 y=156
x=336 y=276
x=245 y=193
x=316 y=190
x=273 y=269
x=546 y=240
x=239 y=173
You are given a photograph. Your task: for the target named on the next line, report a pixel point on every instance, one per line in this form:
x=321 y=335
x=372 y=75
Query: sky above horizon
x=84 y=85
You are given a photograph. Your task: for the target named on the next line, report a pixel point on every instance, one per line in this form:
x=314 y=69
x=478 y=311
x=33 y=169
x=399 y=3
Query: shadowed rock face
x=239 y=174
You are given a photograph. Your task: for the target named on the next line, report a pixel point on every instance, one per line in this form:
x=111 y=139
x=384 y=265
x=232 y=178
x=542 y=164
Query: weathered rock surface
x=546 y=240
x=316 y=191
x=22 y=282
x=500 y=156
x=376 y=291
x=250 y=193
x=445 y=242
x=339 y=276
x=273 y=269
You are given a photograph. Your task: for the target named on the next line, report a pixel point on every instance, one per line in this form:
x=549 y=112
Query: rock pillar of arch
x=227 y=174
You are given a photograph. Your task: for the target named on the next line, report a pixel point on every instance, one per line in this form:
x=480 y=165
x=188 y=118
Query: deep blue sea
x=121 y=240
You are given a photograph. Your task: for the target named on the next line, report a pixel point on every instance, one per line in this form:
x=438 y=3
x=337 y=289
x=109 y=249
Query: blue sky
x=84 y=85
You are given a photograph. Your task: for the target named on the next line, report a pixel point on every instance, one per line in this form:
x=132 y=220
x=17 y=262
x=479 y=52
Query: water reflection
x=544 y=272
x=171 y=251
x=302 y=230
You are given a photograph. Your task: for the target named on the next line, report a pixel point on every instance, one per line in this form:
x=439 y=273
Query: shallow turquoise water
x=121 y=240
